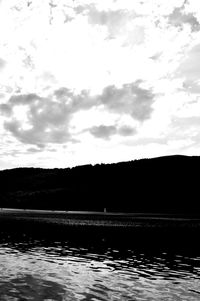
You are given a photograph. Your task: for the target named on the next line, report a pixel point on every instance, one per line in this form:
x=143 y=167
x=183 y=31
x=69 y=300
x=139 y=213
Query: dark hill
x=165 y=184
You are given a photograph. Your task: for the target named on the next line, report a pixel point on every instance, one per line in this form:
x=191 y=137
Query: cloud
x=4 y=164
x=2 y=63
x=179 y=18
x=37 y=134
x=191 y=87
x=189 y=70
x=127 y=130
x=114 y=20
x=186 y=124
x=130 y=99
x=75 y=102
x=106 y=131
x=46 y=119
x=118 y=23
x=5 y=109
x=41 y=120
x=33 y=150
x=103 y=131
x=2 y=95
x=145 y=141
x=191 y=65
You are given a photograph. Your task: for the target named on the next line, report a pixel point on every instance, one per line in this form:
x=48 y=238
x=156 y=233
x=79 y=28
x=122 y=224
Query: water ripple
x=39 y=270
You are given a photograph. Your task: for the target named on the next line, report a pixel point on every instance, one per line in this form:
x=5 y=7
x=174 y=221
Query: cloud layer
x=130 y=99
x=98 y=81
x=37 y=120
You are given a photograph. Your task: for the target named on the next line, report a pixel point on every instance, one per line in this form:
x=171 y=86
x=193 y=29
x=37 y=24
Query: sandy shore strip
x=103 y=219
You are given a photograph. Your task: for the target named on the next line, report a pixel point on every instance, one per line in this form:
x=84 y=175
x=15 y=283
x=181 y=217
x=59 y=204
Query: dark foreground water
x=96 y=269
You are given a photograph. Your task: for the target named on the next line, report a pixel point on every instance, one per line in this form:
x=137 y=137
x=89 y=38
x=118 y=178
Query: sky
x=86 y=82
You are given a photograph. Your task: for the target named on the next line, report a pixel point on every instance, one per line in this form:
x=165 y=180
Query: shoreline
x=68 y=213
x=132 y=230
x=98 y=219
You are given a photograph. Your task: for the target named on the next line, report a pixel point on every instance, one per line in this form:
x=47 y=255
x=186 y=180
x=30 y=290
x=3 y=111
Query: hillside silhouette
x=158 y=185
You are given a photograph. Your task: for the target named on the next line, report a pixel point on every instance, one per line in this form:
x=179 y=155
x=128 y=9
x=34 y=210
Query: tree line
x=158 y=185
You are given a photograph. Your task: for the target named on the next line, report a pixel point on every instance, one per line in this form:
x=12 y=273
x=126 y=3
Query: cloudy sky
x=98 y=81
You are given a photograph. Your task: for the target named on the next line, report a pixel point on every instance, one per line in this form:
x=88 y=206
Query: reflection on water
x=32 y=269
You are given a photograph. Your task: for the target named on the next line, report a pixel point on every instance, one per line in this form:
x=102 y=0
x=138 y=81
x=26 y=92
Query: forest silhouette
x=159 y=185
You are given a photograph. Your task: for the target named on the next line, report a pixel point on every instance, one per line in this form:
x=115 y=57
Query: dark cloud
x=178 y=18
x=103 y=131
x=130 y=99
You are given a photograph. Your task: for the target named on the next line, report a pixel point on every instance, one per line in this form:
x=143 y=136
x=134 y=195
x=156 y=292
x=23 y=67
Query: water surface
x=67 y=269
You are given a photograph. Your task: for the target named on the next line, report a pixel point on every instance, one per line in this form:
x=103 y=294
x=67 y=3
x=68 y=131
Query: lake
x=92 y=269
